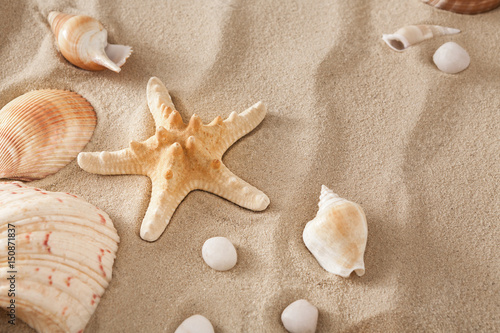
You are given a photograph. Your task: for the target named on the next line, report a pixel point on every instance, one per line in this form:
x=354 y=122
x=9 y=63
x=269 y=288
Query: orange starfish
x=181 y=158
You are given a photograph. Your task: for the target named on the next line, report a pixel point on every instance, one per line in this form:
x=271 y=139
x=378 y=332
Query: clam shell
x=64 y=253
x=83 y=41
x=464 y=6
x=337 y=235
x=414 y=34
x=42 y=131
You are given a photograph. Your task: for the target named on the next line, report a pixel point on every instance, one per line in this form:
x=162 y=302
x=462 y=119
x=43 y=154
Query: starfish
x=180 y=158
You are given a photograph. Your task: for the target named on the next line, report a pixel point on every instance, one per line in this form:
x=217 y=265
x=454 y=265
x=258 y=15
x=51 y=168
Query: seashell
x=42 y=131
x=83 y=41
x=451 y=58
x=64 y=253
x=195 y=324
x=219 y=253
x=337 y=235
x=464 y=6
x=300 y=317
x=414 y=34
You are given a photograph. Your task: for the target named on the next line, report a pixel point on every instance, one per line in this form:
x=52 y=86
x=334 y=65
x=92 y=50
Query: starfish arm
x=159 y=101
x=121 y=162
x=230 y=187
x=238 y=125
x=162 y=206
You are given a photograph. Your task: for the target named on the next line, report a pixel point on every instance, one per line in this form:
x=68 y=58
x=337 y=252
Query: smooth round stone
x=300 y=317
x=219 y=253
x=195 y=324
x=451 y=58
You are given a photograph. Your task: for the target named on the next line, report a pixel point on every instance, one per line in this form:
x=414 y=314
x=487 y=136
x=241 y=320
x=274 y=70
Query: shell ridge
x=66 y=269
x=106 y=239
x=62 y=291
x=30 y=319
x=39 y=292
x=42 y=120
x=103 y=282
x=9 y=216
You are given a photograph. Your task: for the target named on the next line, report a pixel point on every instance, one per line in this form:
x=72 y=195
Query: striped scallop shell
x=337 y=235
x=64 y=252
x=83 y=41
x=42 y=131
x=464 y=6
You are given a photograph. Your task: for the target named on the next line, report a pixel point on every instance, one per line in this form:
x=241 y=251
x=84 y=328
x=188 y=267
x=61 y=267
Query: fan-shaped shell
x=42 y=131
x=83 y=41
x=337 y=235
x=64 y=252
x=464 y=6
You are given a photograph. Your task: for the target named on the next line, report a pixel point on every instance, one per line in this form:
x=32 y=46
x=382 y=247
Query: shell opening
x=118 y=53
x=97 y=43
x=395 y=42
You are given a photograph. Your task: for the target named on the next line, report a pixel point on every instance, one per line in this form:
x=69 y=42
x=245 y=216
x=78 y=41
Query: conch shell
x=414 y=34
x=464 y=6
x=42 y=131
x=337 y=235
x=62 y=254
x=83 y=41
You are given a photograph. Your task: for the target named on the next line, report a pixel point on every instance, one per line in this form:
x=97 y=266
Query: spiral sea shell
x=61 y=255
x=42 y=131
x=414 y=34
x=83 y=41
x=337 y=235
x=464 y=6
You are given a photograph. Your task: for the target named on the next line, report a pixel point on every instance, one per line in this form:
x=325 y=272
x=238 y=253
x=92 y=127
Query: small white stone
x=451 y=58
x=195 y=324
x=219 y=253
x=300 y=317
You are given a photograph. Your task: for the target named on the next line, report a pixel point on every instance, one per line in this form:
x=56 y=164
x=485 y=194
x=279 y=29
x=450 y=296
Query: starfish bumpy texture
x=181 y=158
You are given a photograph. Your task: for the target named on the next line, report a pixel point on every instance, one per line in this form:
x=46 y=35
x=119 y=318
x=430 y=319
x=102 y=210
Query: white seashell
x=451 y=58
x=83 y=41
x=337 y=235
x=195 y=324
x=219 y=253
x=300 y=317
x=64 y=252
x=413 y=34
x=42 y=131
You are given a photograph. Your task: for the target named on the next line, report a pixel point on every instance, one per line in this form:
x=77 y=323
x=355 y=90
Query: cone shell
x=337 y=235
x=464 y=6
x=64 y=253
x=82 y=40
x=414 y=34
x=42 y=131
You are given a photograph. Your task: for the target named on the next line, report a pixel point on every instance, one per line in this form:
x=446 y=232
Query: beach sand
x=416 y=148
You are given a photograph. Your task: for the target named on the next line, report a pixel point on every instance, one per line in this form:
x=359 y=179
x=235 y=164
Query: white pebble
x=300 y=317
x=219 y=253
x=451 y=58
x=195 y=324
